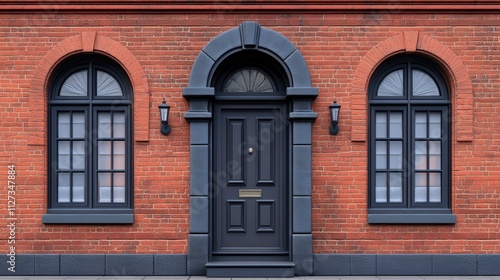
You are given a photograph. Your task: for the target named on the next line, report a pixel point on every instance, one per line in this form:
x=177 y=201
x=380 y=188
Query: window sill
x=88 y=218
x=407 y=218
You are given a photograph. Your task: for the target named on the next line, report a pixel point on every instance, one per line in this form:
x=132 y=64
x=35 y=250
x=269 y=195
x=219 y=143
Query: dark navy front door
x=250 y=193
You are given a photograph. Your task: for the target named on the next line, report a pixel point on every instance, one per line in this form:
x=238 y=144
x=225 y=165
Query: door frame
x=299 y=95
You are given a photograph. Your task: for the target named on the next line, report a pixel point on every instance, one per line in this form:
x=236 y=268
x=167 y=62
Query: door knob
x=250 y=150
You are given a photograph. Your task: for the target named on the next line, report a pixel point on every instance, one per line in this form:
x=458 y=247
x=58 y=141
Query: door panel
x=249 y=193
x=266 y=152
x=234 y=157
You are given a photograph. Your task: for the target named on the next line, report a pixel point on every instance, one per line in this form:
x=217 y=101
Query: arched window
x=250 y=75
x=90 y=140
x=409 y=159
x=249 y=80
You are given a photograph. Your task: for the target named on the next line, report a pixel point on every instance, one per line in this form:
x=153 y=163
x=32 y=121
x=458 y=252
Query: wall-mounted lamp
x=164 y=111
x=334 y=112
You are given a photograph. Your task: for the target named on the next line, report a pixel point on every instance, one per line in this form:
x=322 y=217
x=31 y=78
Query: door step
x=274 y=269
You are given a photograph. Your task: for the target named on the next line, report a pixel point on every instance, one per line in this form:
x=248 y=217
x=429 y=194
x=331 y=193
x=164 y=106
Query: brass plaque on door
x=250 y=193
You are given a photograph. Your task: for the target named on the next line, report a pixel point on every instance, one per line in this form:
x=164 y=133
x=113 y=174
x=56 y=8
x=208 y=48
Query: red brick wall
x=163 y=48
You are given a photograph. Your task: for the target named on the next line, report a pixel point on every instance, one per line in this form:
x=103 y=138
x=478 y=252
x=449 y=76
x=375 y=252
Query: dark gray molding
x=47 y=265
x=88 y=265
x=123 y=264
x=198 y=214
x=21 y=264
x=199 y=74
x=302 y=214
x=322 y=264
x=199 y=173
x=88 y=218
x=250 y=33
x=265 y=39
x=404 y=264
x=197 y=256
x=363 y=264
x=302 y=254
x=412 y=218
x=407 y=265
x=305 y=116
x=325 y=265
x=488 y=264
x=302 y=171
x=454 y=265
x=170 y=265
x=306 y=92
x=199 y=132
x=82 y=265
x=242 y=269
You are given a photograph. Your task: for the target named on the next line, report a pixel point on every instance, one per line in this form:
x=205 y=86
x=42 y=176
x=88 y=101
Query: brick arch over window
x=87 y=42
x=413 y=41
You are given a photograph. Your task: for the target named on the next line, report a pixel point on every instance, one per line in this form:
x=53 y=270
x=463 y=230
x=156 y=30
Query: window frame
x=261 y=61
x=410 y=212
x=89 y=212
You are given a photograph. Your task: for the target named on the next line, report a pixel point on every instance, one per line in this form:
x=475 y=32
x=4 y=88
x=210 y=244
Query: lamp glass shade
x=164 y=110
x=334 y=111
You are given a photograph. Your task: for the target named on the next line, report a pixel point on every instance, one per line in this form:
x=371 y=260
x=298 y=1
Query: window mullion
x=112 y=172
x=388 y=158
x=427 y=156
x=71 y=156
x=409 y=155
x=92 y=155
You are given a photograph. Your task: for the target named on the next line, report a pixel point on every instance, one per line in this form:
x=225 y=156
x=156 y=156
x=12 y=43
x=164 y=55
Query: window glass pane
x=63 y=125
x=421 y=179
x=420 y=187
x=420 y=155
x=381 y=125
x=119 y=125
x=249 y=80
x=396 y=187
x=420 y=125
x=119 y=155
x=435 y=125
x=434 y=154
x=63 y=185
x=381 y=155
x=396 y=125
x=423 y=84
x=396 y=154
x=392 y=84
x=435 y=179
x=420 y=194
x=119 y=187
x=78 y=187
x=381 y=187
x=435 y=187
x=435 y=195
x=75 y=85
x=107 y=85
x=78 y=155
x=63 y=155
x=104 y=187
x=104 y=155
x=104 y=125
x=78 y=125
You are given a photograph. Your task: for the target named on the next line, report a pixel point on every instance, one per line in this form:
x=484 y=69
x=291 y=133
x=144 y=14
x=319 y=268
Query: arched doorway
x=250 y=192
x=250 y=120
